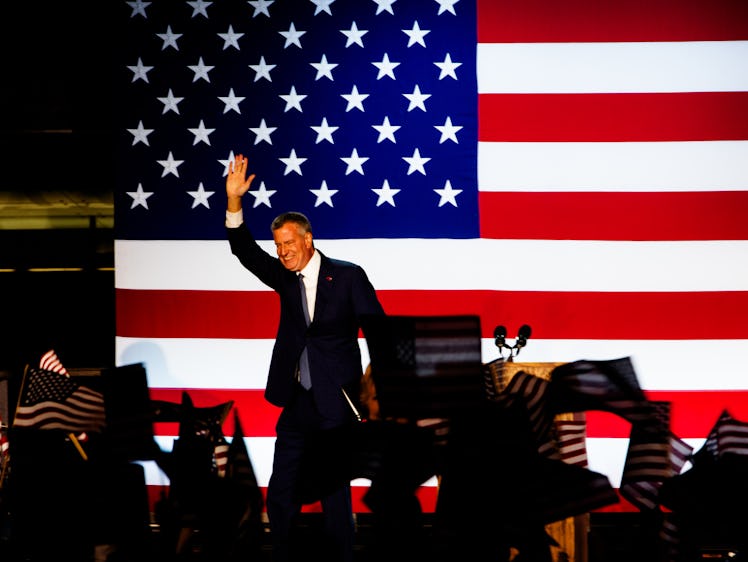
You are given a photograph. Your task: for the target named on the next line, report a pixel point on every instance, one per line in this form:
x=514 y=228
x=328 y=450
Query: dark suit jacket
x=344 y=294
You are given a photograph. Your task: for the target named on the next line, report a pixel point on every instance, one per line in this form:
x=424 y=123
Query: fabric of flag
x=576 y=166
x=50 y=362
x=50 y=400
x=728 y=436
x=654 y=455
x=700 y=499
x=570 y=436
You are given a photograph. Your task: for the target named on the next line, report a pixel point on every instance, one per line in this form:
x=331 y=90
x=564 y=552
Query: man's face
x=293 y=248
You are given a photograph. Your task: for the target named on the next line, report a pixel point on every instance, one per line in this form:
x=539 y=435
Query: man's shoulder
x=337 y=263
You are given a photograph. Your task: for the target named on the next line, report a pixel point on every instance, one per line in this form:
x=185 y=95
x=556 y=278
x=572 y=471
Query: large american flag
x=578 y=166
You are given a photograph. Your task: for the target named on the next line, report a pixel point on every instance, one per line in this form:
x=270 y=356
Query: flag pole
x=78 y=446
x=20 y=392
x=350 y=403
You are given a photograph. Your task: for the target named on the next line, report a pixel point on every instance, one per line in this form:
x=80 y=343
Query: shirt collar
x=311 y=269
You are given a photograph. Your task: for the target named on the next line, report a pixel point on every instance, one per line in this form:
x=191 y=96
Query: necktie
x=304 y=378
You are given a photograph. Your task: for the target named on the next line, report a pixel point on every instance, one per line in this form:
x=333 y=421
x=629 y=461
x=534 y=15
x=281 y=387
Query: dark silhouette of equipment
x=499 y=334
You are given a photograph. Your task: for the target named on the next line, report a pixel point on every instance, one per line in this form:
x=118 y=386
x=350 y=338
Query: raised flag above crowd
x=51 y=400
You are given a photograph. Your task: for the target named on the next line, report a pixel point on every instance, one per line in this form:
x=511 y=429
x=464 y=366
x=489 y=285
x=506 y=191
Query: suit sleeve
x=365 y=296
x=244 y=246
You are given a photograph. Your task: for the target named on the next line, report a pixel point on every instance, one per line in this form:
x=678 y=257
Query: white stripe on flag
x=686 y=66
x=639 y=266
x=659 y=364
x=613 y=166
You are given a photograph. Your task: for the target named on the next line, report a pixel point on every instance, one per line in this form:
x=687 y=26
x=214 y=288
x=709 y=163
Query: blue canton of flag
x=362 y=117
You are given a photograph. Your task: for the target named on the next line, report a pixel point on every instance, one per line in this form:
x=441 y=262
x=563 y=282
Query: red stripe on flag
x=257 y=414
x=529 y=21
x=705 y=215
x=693 y=413
x=558 y=314
x=697 y=116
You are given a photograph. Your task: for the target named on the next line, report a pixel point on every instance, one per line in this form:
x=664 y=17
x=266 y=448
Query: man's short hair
x=292 y=216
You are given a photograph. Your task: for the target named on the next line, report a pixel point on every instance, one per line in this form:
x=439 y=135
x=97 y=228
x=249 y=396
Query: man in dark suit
x=316 y=361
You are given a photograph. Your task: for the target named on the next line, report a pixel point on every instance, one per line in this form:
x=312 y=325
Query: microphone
x=499 y=334
x=522 y=336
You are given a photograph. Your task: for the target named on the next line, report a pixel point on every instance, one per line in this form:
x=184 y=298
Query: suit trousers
x=297 y=442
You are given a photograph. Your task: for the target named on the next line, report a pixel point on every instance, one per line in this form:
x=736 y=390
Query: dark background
x=56 y=185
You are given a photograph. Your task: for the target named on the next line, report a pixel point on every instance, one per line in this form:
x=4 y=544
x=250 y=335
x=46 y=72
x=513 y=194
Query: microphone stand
x=499 y=335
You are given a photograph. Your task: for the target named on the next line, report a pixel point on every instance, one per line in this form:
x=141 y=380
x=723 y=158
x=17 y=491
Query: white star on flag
x=263 y=132
x=416 y=162
x=323 y=194
x=139 y=197
x=448 y=131
x=386 y=194
x=199 y=8
x=447 y=6
x=138 y=8
x=386 y=130
x=170 y=165
x=448 y=67
x=200 y=197
x=140 y=71
x=230 y=38
x=293 y=163
x=322 y=6
x=324 y=68
x=140 y=134
x=354 y=99
x=292 y=36
x=262 y=195
x=386 y=68
x=448 y=195
x=324 y=131
x=260 y=7
x=354 y=36
x=169 y=38
x=416 y=35
x=416 y=99
x=201 y=134
x=355 y=163
x=201 y=70
x=262 y=70
x=171 y=103
x=292 y=99
x=232 y=102
x=384 y=6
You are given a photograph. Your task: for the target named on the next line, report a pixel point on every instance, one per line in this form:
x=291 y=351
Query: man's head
x=294 y=245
